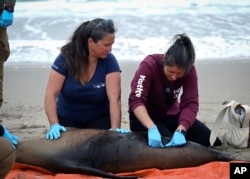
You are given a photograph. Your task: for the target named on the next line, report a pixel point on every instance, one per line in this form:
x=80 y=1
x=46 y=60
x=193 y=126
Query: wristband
x=9 y=8
x=1 y=130
x=181 y=131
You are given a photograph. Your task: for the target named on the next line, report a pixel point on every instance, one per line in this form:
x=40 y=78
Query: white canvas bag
x=238 y=132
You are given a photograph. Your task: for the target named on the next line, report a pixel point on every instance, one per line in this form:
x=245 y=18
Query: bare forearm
x=115 y=114
x=113 y=85
x=50 y=109
x=142 y=115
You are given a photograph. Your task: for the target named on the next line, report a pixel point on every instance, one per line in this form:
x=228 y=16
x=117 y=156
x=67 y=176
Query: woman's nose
x=173 y=77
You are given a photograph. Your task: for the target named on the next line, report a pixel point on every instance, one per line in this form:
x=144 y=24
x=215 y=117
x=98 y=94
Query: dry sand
x=24 y=88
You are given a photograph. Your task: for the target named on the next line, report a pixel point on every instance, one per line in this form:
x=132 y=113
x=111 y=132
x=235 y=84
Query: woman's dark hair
x=181 y=53
x=76 y=51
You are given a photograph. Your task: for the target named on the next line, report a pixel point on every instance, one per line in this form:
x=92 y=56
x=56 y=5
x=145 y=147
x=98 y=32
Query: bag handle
x=217 y=123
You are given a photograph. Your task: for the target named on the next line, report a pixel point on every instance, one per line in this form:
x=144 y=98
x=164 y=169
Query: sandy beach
x=24 y=88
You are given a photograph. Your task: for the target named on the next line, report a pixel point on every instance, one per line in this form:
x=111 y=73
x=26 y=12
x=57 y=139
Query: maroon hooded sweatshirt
x=162 y=97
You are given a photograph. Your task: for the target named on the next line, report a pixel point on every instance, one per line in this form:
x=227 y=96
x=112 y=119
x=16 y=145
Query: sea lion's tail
x=230 y=156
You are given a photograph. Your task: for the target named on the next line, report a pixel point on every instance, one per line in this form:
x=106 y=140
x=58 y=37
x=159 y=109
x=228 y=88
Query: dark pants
x=102 y=123
x=7 y=157
x=198 y=133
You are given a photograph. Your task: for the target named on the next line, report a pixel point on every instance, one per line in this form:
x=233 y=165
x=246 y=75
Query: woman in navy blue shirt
x=84 y=86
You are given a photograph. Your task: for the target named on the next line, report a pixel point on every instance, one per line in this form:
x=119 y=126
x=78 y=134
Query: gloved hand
x=54 y=132
x=120 y=130
x=10 y=137
x=6 y=18
x=154 y=137
x=178 y=139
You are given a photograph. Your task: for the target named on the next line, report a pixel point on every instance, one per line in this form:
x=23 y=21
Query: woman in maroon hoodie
x=164 y=98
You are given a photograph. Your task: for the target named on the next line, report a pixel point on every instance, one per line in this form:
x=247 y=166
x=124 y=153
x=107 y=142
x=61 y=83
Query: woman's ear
x=90 y=41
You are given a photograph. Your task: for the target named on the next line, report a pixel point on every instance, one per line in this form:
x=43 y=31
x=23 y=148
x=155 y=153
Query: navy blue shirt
x=79 y=102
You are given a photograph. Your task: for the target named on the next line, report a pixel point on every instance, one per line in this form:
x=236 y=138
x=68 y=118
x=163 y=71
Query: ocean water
x=218 y=29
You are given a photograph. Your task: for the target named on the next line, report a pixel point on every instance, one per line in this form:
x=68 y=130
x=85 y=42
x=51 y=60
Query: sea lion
x=104 y=153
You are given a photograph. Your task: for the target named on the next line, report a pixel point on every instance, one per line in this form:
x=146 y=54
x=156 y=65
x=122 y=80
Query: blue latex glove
x=120 y=130
x=178 y=139
x=54 y=132
x=154 y=137
x=10 y=137
x=6 y=18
